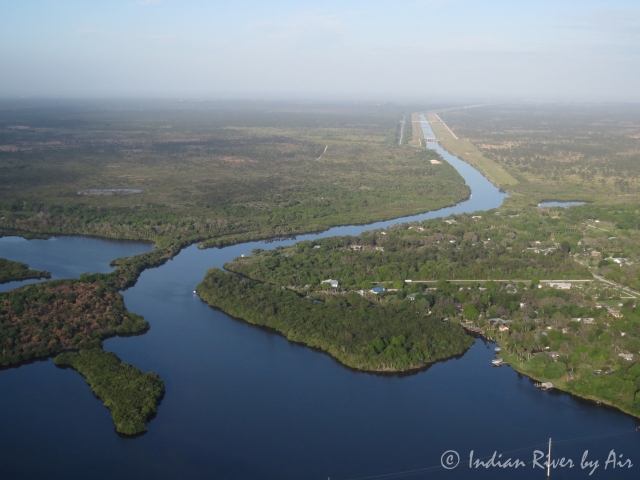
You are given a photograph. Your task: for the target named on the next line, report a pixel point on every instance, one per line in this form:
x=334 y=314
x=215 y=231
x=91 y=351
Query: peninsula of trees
x=132 y=395
x=557 y=288
x=11 y=271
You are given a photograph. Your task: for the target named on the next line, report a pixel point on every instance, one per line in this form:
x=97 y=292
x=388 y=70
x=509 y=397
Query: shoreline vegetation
x=391 y=339
x=11 y=271
x=563 y=386
x=130 y=394
x=42 y=319
x=399 y=181
x=580 y=329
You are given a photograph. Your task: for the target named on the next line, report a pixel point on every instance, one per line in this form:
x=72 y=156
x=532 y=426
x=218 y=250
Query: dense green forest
x=132 y=396
x=358 y=333
x=47 y=318
x=585 y=347
x=10 y=271
x=525 y=245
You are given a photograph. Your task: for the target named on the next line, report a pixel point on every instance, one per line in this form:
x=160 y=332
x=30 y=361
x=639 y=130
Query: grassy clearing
x=560 y=151
x=418 y=135
x=469 y=153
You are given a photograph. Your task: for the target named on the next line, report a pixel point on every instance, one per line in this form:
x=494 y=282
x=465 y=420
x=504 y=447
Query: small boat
x=544 y=385
x=497 y=349
x=498 y=362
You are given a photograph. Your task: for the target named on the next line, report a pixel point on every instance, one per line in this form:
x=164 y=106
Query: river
x=244 y=403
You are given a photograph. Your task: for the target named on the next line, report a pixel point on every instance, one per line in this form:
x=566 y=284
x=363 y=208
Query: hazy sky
x=561 y=49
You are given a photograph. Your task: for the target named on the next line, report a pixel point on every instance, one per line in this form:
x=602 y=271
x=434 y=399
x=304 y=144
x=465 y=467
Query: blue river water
x=244 y=403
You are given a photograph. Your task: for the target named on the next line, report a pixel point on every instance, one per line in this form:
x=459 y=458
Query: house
x=354 y=248
x=332 y=283
x=503 y=328
x=412 y=296
x=475 y=217
x=554 y=356
x=435 y=162
x=380 y=249
x=316 y=246
x=626 y=356
x=450 y=222
x=417 y=228
x=560 y=285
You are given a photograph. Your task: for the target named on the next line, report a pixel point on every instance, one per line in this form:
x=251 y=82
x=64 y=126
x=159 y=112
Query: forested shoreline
x=11 y=271
x=352 y=330
x=132 y=396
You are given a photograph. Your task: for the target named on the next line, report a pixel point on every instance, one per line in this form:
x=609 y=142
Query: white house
x=332 y=283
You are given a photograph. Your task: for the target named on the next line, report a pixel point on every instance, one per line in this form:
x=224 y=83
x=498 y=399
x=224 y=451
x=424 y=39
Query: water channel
x=244 y=403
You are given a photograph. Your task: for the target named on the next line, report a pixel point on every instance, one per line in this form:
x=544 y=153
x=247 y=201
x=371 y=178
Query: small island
x=11 y=271
x=132 y=395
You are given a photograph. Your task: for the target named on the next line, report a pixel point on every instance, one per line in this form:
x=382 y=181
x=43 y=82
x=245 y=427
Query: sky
x=573 y=50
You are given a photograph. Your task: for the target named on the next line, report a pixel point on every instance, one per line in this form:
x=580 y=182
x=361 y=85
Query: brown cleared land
x=418 y=135
x=469 y=153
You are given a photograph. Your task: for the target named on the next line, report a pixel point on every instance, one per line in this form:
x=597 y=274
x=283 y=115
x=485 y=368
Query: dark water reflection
x=67 y=256
x=244 y=403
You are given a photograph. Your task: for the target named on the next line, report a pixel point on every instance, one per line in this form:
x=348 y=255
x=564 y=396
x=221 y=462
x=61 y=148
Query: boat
x=498 y=362
x=544 y=385
x=497 y=349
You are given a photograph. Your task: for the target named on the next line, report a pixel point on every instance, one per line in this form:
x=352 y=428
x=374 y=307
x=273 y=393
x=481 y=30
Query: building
x=615 y=313
x=626 y=356
x=332 y=283
x=560 y=285
x=354 y=248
